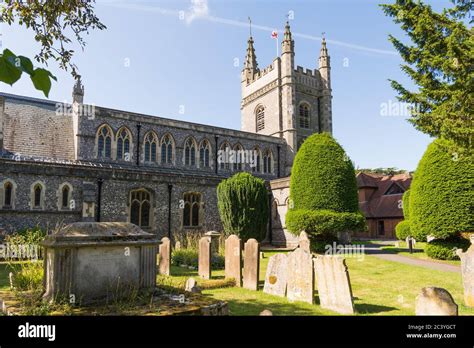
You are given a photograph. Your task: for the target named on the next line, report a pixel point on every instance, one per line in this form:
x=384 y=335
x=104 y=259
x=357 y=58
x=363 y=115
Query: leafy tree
x=383 y=171
x=440 y=62
x=323 y=177
x=323 y=191
x=51 y=22
x=441 y=200
x=243 y=206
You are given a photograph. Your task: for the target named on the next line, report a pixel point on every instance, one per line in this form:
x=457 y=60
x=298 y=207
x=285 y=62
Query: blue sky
x=177 y=59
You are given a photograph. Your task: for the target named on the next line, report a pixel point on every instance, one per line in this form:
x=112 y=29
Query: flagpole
x=277 y=45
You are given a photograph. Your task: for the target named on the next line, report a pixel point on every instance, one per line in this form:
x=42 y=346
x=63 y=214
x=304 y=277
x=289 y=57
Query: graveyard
x=375 y=287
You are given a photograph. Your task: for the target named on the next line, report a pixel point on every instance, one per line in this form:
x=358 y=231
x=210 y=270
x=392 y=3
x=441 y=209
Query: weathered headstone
x=251 y=264
x=300 y=283
x=435 y=301
x=177 y=245
x=164 y=256
x=344 y=237
x=204 y=267
x=467 y=271
x=276 y=276
x=266 y=313
x=303 y=242
x=233 y=259
x=191 y=286
x=214 y=237
x=334 y=287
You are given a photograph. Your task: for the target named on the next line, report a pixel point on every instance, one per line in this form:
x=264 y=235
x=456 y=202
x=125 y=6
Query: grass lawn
x=418 y=253
x=379 y=288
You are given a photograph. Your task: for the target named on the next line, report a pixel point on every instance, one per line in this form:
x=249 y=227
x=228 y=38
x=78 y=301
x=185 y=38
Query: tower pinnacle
x=78 y=91
x=287 y=44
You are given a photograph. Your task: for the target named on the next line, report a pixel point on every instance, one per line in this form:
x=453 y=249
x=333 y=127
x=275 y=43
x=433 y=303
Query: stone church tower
x=286 y=102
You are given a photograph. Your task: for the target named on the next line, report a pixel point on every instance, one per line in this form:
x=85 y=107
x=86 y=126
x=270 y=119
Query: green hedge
x=323 y=177
x=323 y=222
x=446 y=249
x=442 y=193
x=323 y=192
x=402 y=230
x=243 y=206
x=406 y=204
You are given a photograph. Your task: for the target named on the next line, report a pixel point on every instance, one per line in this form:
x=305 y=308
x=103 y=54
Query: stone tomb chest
x=89 y=261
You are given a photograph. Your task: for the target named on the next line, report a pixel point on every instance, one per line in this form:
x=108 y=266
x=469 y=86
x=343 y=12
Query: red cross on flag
x=274 y=34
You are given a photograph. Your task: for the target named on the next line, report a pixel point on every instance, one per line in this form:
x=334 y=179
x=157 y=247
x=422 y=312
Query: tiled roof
x=380 y=205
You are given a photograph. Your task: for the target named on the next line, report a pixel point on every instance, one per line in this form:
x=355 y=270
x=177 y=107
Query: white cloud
x=198 y=9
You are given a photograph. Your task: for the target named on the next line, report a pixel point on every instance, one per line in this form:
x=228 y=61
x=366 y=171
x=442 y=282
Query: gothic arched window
x=151 y=145
x=167 y=149
x=65 y=197
x=190 y=153
x=192 y=209
x=123 y=144
x=204 y=154
x=267 y=162
x=304 y=114
x=104 y=142
x=260 y=118
x=37 y=196
x=238 y=157
x=257 y=158
x=224 y=156
x=140 y=208
x=7 y=194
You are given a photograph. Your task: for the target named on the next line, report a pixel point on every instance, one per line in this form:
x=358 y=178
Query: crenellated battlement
x=310 y=73
x=264 y=71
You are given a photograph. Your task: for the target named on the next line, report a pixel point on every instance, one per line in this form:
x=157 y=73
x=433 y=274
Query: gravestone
x=266 y=313
x=276 y=276
x=191 y=286
x=334 y=286
x=164 y=256
x=300 y=283
x=92 y=261
x=303 y=242
x=467 y=271
x=344 y=237
x=233 y=259
x=435 y=301
x=214 y=237
x=251 y=264
x=204 y=267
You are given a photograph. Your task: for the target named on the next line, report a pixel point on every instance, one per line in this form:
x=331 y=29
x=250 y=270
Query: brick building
x=380 y=200
x=64 y=163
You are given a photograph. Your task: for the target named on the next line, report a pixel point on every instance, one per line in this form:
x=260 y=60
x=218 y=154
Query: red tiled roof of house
x=380 y=204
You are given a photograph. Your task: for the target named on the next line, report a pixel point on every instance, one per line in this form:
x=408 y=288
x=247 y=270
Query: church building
x=61 y=164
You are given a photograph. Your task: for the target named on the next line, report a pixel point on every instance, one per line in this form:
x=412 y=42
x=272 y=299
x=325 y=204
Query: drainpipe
x=278 y=160
x=99 y=197
x=170 y=188
x=216 y=138
x=139 y=126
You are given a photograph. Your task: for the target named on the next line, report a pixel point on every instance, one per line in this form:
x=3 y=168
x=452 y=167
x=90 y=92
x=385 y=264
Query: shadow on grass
x=253 y=307
x=400 y=250
x=366 y=308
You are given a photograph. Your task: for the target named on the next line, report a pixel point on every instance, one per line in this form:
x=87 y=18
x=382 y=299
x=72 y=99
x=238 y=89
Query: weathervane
x=250 y=26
